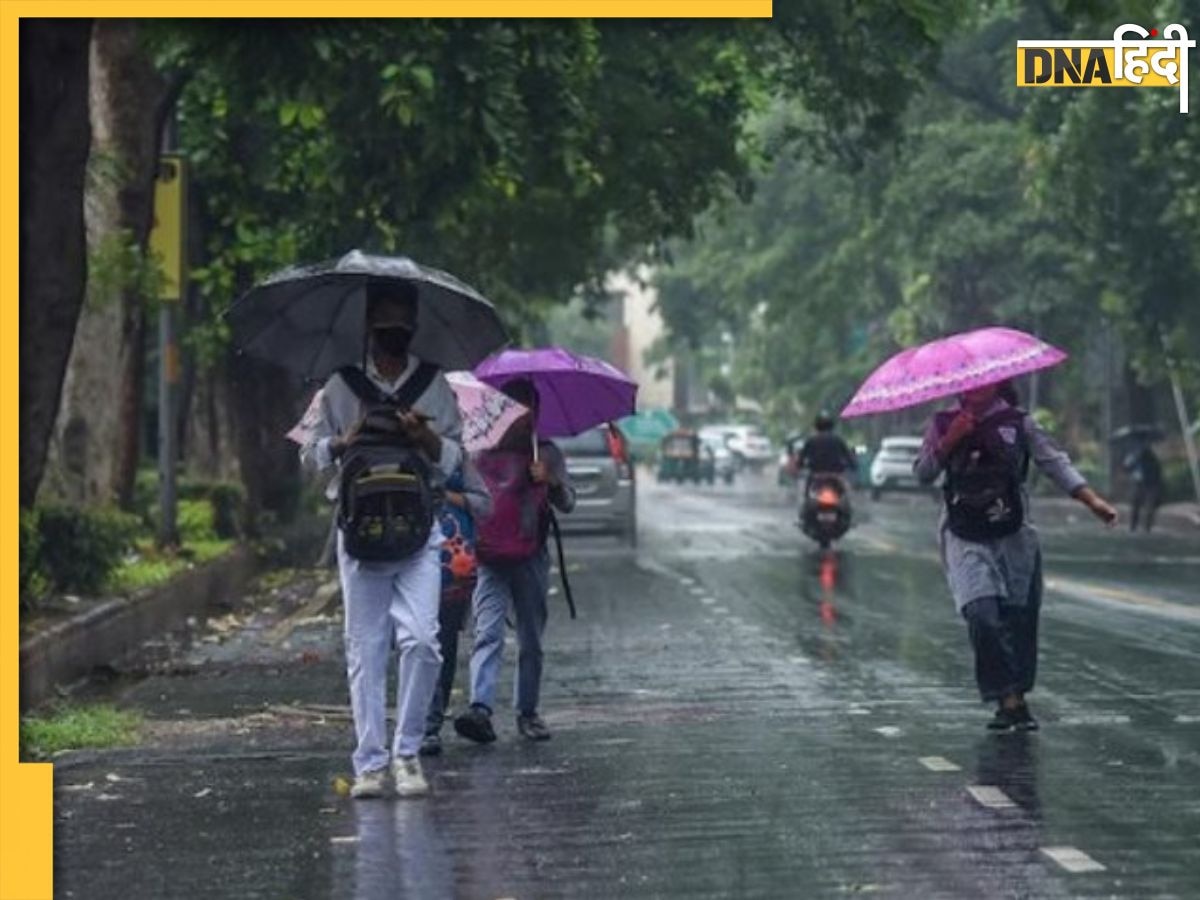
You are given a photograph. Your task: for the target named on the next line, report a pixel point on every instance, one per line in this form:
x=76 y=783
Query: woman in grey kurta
x=997 y=583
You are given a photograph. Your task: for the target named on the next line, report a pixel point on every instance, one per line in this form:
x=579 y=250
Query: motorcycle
x=825 y=512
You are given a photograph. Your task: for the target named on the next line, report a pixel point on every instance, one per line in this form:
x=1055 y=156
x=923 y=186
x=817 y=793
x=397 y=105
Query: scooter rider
x=825 y=453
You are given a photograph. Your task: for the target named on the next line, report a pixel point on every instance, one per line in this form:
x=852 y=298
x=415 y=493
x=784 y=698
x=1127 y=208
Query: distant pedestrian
x=991 y=554
x=1146 y=471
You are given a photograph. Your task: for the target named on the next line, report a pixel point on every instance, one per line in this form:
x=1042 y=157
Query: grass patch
x=151 y=567
x=76 y=727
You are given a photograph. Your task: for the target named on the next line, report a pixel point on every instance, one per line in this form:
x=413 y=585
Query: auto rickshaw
x=683 y=457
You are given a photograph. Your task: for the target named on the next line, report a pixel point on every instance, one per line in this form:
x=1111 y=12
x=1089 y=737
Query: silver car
x=602 y=472
x=892 y=466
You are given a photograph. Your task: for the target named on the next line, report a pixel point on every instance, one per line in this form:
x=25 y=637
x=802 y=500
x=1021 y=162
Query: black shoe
x=1025 y=719
x=533 y=728
x=1004 y=720
x=476 y=725
x=431 y=744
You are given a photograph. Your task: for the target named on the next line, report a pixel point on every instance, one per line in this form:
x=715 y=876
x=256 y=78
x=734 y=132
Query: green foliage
x=77 y=727
x=194 y=519
x=1065 y=213
x=118 y=266
x=80 y=548
x=32 y=580
x=226 y=501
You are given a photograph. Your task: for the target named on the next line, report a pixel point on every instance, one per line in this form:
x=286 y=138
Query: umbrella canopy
x=486 y=413
x=312 y=319
x=949 y=366
x=1143 y=432
x=647 y=427
x=575 y=393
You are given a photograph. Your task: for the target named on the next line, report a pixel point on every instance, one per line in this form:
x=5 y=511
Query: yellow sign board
x=167 y=236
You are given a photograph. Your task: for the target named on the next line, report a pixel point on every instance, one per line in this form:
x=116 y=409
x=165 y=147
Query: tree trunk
x=265 y=406
x=100 y=423
x=55 y=135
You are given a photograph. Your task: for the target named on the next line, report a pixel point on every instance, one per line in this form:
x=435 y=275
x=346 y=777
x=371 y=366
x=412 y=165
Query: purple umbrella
x=575 y=393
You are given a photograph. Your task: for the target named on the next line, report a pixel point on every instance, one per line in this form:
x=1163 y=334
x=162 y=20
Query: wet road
x=735 y=716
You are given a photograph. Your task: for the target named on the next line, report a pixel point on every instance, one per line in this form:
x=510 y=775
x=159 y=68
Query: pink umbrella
x=486 y=413
x=949 y=366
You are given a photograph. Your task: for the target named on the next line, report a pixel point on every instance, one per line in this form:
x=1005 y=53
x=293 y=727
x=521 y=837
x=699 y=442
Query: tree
x=54 y=138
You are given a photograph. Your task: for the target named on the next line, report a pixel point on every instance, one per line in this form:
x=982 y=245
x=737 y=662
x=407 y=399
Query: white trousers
x=385 y=602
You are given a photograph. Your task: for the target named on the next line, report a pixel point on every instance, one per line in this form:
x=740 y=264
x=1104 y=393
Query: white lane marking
x=1073 y=859
x=1082 y=590
x=1095 y=719
x=991 y=797
x=708 y=601
x=938 y=764
x=344 y=839
x=1187 y=720
x=888 y=730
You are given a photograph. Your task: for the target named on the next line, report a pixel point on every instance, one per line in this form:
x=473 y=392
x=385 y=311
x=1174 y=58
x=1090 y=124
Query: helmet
x=824 y=421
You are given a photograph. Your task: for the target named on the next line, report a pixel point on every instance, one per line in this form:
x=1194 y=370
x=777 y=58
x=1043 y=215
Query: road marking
x=344 y=839
x=938 y=764
x=1072 y=859
x=1187 y=720
x=1082 y=590
x=991 y=797
x=888 y=730
x=1095 y=719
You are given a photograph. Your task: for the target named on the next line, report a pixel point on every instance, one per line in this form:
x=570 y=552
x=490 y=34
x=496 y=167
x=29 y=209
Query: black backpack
x=386 y=498
x=984 y=475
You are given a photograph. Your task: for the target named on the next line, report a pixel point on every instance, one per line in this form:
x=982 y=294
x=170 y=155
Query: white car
x=747 y=443
x=892 y=466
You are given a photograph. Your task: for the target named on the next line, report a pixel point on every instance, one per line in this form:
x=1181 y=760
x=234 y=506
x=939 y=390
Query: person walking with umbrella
x=984 y=446
x=527 y=477
x=1145 y=470
x=387 y=423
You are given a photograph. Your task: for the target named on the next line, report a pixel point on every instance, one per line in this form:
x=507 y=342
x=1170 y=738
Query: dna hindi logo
x=1134 y=57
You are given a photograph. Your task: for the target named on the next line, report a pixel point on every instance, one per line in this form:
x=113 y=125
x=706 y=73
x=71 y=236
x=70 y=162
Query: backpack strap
x=405 y=396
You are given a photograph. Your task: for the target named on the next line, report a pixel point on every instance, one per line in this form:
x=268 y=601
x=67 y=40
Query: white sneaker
x=370 y=785
x=410 y=780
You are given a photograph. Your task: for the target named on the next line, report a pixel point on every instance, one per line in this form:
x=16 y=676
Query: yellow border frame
x=26 y=791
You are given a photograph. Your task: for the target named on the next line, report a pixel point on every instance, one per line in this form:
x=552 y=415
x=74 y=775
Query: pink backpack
x=517 y=527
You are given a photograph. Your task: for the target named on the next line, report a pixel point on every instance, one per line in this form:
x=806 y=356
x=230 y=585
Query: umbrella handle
x=535 y=445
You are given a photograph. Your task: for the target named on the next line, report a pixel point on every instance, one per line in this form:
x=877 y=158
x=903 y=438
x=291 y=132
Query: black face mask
x=393 y=341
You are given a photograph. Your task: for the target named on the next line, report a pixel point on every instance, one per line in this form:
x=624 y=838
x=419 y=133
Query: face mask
x=392 y=341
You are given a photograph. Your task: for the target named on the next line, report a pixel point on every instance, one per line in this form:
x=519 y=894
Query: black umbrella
x=312 y=319
x=1144 y=432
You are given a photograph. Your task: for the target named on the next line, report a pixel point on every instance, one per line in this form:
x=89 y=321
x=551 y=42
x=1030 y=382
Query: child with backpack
x=466 y=503
x=514 y=568
x=391 y=432
x=990 y=552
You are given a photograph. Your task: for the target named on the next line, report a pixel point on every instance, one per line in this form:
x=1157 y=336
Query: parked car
x=892 y=466
x=600 y=467
x=749 y=446
x=722 y=459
